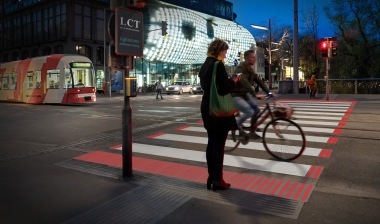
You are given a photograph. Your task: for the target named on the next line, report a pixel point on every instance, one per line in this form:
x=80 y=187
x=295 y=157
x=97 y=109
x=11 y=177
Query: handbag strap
x=214 y=73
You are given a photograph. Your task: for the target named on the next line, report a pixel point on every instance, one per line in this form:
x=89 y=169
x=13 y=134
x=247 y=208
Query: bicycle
x=282 y=138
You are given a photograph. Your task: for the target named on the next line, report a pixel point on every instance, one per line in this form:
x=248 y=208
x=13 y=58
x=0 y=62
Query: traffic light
x=325 y=48
x=164 y=28
x=334 y=48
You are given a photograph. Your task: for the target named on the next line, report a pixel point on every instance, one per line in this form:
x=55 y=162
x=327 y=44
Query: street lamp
x=270 y=49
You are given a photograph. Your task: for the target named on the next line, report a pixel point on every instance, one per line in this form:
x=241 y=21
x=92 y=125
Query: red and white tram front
x=79 y=83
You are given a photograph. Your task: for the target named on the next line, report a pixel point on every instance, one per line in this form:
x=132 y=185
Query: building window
x=84 y=50
x=82 y=15
x=100 y=55
x=100 y=25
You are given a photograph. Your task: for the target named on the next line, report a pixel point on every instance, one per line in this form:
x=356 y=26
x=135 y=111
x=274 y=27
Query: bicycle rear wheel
x=232 y=141
x=284 y=139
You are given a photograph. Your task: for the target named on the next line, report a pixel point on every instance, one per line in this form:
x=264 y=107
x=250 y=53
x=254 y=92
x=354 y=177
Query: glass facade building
x=31 y=28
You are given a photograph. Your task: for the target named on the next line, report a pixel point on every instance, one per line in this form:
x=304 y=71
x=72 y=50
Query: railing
x=336 y=86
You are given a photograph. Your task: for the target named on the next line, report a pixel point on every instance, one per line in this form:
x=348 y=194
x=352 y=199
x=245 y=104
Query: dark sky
x=281 y=12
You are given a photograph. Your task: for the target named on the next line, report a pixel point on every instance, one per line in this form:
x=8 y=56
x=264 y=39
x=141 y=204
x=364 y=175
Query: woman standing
x=313 y=87
x=217 y=127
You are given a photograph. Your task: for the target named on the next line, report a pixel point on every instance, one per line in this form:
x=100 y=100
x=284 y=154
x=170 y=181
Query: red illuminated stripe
x=283 y=189
x=314 y=172
x=325 y=153
x=247 y=179
x=332 y=140
x=182 y=127
x=156 y=135
x=269 y=186
x=337 y=131
x=299 y=191
x=276 y=187
x=247 y=182
x=307 y=193
x=342 y=124
x=292 y=188
x=250 y=185
x=261 y=186
x=257 y=183
x=200 y=122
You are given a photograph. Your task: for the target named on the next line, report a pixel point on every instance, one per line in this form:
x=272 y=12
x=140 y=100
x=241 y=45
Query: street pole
x=327 y=78
x=270 y=56
x=127 y=130
x=295 y=50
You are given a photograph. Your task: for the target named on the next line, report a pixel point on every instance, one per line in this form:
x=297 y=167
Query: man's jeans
x=247 y=108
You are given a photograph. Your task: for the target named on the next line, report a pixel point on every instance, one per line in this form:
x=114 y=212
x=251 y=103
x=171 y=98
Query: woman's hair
x=216 y=47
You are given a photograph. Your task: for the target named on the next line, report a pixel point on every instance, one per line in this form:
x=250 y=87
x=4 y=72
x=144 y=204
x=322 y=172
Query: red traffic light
x=325 y=44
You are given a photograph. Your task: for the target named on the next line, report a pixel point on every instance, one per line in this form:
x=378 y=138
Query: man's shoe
x=254 y=136
x=243 y=137
x=162 y=98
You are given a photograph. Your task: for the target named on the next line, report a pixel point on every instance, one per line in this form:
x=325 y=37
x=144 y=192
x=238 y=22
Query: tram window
x=13 y=81
x=30 y=80
x=5 y=81
x=37 y=74
x=80 y=78
x=53 y=79
x=68 y=82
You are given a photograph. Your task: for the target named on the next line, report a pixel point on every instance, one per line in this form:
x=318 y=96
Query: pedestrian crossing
x=177 y=151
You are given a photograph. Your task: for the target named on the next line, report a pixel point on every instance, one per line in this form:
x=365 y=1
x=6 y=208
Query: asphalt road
x=35 y=139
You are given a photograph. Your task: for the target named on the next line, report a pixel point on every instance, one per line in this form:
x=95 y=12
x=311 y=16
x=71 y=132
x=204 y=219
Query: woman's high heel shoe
x=209 y=183
x=220 y=185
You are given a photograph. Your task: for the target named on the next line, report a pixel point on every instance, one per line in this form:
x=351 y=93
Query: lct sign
x=128 y=32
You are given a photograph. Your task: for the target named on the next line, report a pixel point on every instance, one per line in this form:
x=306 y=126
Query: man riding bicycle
x=244 y=93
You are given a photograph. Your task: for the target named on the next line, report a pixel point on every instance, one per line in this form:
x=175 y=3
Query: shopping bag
x=220 y=106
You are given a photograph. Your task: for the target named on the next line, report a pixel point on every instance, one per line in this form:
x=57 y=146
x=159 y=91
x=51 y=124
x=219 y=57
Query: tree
x=357 y=27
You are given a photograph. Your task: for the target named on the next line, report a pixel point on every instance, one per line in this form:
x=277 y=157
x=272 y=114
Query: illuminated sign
x=128 y=32
x=81 y=65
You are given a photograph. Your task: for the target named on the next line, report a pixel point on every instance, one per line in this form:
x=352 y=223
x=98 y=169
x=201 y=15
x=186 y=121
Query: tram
x=56 y=79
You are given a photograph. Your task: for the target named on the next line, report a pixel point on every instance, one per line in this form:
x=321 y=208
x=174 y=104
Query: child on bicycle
x=244 y=93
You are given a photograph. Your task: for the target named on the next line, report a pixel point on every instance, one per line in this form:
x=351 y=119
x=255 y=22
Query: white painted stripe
x=306 y=129
x=319 y=109
x=319 y=123
x=319 y=106
x=272 y=135
x=251 y=145
x=317 y=117
x=318 y=113
x=229 y=160
x=315 y=103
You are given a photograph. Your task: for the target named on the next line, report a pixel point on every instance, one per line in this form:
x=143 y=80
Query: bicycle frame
x=263 y=115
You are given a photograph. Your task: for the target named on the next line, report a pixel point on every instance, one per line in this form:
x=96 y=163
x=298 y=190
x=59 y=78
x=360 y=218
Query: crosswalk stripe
x=316 y=117
x=319 y=113
x=272 y=135
x=317 y=103
x=305 y=129
x=293 y=169
x=309 y=151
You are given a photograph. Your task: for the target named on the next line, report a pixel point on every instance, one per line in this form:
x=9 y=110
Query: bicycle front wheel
x=232 y=141
x=284 y=139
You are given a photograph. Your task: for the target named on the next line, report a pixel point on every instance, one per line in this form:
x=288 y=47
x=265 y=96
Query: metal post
x=270 y=56
x=295 y=50
x=327 y=78
x=127 y=132
x=104 y=53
